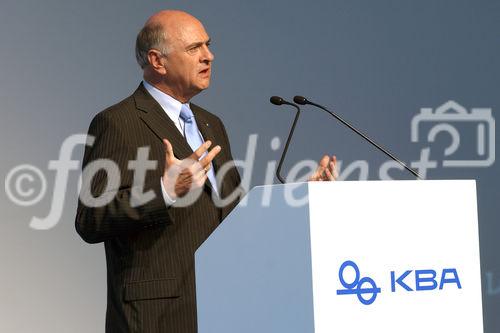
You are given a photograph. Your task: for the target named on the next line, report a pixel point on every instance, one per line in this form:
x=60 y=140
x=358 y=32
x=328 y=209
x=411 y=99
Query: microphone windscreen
x=300 y=100
x=276 y=100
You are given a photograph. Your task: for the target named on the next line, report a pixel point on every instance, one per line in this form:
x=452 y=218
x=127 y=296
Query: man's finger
x=333 y=167
x=333 y=170
x=210 y=156
x=324 y=161
x=169 y=151
x=200 y=150
x=316 y=176
x=206 y=168
x=328 y=174
x=333 y=162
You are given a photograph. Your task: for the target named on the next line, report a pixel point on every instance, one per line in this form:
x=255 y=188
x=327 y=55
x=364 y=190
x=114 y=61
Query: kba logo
x=425 y=279
x=411 y=280
x=356 y=286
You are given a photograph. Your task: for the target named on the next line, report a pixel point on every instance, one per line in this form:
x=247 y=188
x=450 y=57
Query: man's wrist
x=169 y=199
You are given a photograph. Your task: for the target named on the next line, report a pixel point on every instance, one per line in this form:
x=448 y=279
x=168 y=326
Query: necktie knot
x=186 y=114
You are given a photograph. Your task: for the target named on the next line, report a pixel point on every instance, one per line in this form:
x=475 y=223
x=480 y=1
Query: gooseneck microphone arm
x=276 y=100
x=303 y=101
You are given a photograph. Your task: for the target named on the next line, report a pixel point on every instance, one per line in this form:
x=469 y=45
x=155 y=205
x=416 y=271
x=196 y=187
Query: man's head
x=172 y=49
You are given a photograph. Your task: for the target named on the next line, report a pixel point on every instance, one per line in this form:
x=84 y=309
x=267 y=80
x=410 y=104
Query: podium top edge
x=372 y=181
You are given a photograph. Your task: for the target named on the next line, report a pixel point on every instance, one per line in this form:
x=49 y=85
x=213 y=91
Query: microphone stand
x=279 y=101
x=303 y=101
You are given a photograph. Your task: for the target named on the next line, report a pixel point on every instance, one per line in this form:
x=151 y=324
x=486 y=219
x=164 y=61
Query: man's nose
x=208 y=56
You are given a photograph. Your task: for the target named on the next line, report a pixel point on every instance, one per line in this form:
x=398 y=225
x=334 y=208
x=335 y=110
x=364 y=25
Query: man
x=150 y=247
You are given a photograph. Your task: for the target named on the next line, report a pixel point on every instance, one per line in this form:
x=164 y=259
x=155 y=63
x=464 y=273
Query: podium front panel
x=395 y=256
x=254 y=272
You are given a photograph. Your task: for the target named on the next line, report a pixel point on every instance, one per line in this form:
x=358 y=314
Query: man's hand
x=327 y=170
x=180 y=176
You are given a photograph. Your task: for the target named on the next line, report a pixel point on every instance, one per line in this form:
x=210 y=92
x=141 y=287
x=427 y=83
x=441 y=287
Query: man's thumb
x=169 y=151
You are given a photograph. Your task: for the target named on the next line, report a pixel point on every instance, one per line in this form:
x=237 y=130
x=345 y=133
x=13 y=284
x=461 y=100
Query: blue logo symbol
x=356 y=287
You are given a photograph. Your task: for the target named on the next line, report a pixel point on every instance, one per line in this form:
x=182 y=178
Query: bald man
x=150 y=246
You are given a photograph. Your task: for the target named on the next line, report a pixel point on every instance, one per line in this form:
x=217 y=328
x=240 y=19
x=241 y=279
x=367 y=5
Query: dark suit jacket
x=150 y=248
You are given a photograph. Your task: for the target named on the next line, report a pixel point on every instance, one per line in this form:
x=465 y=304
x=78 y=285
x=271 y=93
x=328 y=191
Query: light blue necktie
x=194 y=138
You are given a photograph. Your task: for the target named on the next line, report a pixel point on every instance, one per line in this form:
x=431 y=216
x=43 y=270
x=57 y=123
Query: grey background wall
x=376 y=62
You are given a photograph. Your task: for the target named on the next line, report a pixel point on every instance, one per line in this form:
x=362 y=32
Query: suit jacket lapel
x=208 y=133
x=206 y=130
x=156 y=119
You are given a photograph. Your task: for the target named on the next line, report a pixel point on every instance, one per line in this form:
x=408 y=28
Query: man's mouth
x=205 y=71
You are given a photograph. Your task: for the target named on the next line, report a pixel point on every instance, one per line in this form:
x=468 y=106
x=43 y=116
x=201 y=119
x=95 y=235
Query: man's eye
x=193 y=49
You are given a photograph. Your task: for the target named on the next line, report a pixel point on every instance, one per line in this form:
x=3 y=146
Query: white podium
x=380 y=256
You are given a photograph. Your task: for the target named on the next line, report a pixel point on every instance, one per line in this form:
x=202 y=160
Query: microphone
x=303 y=101
x=276 y=100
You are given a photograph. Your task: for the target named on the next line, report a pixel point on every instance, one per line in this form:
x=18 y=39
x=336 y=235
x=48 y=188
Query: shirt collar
x=170 y=105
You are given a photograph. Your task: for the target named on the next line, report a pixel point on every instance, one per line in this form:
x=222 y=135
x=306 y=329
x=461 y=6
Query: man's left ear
x=157 y=62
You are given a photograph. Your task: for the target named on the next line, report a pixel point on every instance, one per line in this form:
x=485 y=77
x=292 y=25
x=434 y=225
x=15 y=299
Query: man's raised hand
x=327 y=170
x=180 y=176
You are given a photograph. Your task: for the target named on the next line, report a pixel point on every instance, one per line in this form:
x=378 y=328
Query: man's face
x=188 y=63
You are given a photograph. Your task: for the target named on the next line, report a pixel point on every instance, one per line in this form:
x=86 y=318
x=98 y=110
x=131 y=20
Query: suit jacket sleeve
x=232 y=177
x=119 y=216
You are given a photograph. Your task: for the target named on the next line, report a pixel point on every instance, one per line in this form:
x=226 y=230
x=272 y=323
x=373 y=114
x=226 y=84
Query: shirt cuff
x=168 y=200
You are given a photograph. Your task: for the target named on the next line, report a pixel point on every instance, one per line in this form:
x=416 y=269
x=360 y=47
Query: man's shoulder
x=123 y=108
x=124 y=111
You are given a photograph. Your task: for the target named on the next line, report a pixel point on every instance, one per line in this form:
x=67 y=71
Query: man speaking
x=150 y=246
